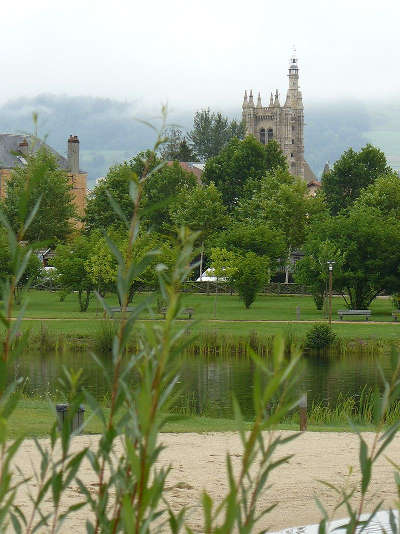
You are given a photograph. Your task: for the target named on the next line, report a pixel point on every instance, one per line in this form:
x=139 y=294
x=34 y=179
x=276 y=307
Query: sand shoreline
x=198 y=462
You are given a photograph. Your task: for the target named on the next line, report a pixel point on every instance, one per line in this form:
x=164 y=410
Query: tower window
x=292 y=141
x=262 y=136
x=270 y=134
x=291 y=155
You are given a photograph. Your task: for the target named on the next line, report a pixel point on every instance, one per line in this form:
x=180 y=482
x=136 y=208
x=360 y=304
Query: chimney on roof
x=23 y=147
x=73 y=154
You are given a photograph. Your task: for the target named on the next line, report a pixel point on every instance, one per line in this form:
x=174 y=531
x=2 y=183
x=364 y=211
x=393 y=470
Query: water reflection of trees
x=207 y=384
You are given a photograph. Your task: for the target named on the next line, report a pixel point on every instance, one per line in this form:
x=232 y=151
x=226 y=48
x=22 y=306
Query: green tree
x=162 y=185
x=370 y=244
x=382 y=195
x=202 y=210
x=102 y=267
x=239 y=164
x=31 y=274
x=160 y=192
x=99 y=212
x=312 y=269
x=251 y=276
x=211 y=132
x=45 y=180
x=254 y=236
x=70 y=262
x=223 y=263
x=281 y=202
x=350 y=174
x=176 y=147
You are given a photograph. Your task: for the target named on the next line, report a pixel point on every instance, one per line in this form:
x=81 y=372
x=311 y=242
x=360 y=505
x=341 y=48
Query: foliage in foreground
x=130 y=494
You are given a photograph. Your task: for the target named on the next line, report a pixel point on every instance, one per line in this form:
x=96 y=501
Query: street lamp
x=330 y=268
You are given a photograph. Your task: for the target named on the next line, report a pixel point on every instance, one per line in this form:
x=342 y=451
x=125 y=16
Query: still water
x=207 y=384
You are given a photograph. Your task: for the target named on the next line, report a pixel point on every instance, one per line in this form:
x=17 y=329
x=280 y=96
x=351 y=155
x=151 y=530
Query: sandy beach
x=198 y=462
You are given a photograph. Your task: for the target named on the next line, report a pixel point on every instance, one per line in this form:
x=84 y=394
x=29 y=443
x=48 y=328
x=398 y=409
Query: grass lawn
x=47 y=305
x=34 y=418
x=231 y=315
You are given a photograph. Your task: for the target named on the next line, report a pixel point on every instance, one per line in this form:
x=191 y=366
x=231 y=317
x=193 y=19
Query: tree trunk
x=201 y=260
x=287 y=267
x=84 y=300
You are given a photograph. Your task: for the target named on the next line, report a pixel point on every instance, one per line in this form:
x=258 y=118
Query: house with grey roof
x=16 y=148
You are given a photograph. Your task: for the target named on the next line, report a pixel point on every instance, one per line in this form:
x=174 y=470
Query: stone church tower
x=284 y=123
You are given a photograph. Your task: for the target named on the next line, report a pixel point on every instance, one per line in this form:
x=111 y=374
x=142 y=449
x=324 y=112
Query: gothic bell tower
x=284 y=123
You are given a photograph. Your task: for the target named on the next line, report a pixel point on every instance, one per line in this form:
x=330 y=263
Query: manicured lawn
x=47 y=305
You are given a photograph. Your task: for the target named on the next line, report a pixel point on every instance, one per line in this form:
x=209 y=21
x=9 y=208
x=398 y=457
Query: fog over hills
x=109 y=132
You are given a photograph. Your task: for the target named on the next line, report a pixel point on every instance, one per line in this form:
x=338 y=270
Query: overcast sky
x=199 y=53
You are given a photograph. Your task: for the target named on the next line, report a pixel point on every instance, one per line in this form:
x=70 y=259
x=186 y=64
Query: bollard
x=298 y=313
x=303 y=412
x=77 y=421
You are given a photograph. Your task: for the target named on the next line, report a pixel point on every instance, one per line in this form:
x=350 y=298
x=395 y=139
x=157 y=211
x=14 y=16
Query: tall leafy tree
x=312 y=269
x=370 y=244
x=202 y=210
x=177 y=147
x=382 y=195
x=211 y=132
x=164 y=182
x=254 y=236
x=44 y=180
x=99 y=212
x=238 y=164
x=283 y=204
x=70 y=260
x=350 y=174
x=160 y=192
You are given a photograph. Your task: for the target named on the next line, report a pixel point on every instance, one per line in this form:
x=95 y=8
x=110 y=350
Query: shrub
x=251 y=276
x=104 y=337
x=319 y=337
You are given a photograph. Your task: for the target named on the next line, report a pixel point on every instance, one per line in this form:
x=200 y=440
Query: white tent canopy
x=209 y=276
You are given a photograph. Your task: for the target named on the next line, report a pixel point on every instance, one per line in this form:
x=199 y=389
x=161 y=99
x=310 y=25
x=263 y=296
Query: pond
x=207 y=384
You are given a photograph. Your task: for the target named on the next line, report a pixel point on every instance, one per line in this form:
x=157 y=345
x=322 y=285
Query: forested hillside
x=109 y=132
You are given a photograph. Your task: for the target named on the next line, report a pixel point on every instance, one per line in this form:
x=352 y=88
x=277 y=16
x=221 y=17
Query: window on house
x=262 y=136
x=291 y=155
x=270 y=134
x=292 y=141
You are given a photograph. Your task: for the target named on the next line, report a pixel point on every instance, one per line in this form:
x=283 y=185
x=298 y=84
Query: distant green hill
x=110 y=134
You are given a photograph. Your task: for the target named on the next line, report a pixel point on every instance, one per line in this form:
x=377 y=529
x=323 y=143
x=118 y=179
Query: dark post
x=77 y=421
x=303 y=412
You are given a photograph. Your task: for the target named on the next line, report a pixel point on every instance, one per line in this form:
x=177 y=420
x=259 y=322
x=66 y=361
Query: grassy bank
x=56 y=326
x=34 y=417
x=209 y=337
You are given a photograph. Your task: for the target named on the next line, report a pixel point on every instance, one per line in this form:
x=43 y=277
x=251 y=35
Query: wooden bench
x=188 y=311
x=119 y=309
x=364 y=313
x=396 y=314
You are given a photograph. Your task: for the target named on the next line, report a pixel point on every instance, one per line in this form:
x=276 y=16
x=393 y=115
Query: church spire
x=271 y=100
x=259 y=105
x=276 y=101
x=251 y=101
x=245 y=103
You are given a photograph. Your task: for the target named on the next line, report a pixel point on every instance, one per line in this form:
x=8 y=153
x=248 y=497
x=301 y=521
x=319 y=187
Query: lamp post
x=330 y=268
